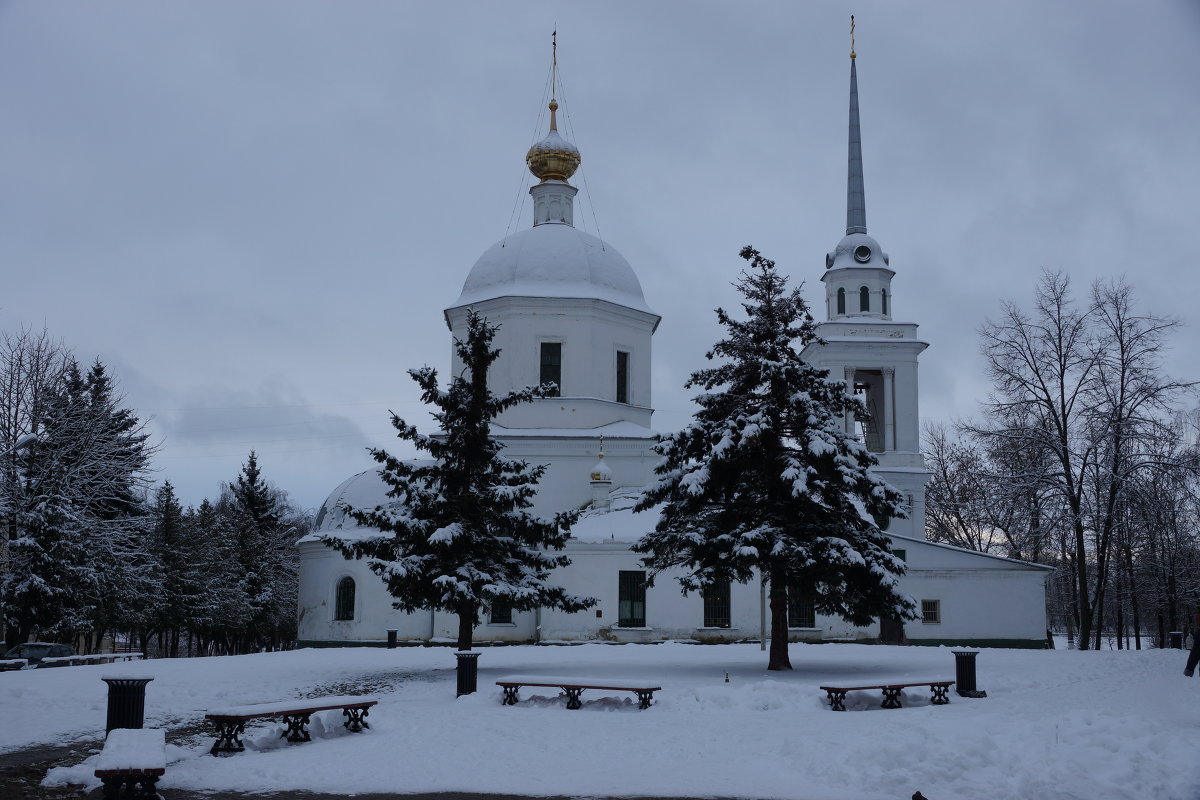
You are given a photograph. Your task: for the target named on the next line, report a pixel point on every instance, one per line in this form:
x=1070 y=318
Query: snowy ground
x=1055 y=724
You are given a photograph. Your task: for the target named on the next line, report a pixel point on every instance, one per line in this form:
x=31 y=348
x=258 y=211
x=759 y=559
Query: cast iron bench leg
x=891 y=698
x=941 y=694
x=227 y=738
x=147 y=789
x=112 y=786
x=296 y=730
x=354 y=719
x=573 y=698
x=645 y=698
x=510 y=696
x=837 y=700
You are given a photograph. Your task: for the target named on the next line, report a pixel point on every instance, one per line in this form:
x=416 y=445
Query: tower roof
x=856 y=195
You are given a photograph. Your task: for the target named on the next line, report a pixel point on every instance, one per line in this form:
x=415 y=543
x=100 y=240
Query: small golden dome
x=553 y=158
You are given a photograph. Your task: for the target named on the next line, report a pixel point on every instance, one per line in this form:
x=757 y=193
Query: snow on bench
x=891 y=693
x=231 y=720
x=133 y=758
x=574 y=686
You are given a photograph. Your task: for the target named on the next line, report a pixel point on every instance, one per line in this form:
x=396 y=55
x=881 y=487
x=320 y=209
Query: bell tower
x=862 y=343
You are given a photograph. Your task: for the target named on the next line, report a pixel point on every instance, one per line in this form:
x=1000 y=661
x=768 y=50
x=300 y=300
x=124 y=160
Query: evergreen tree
x=266 y=555
x=457 y=537
x=766 y=479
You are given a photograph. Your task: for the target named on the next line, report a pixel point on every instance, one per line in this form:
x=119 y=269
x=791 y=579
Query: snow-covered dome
x=857 y=250
x=553 y=260
x=365 y=491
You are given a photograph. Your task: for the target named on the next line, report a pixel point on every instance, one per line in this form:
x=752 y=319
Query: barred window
x=802 y=612
x=900 y=554
x=344 y=606
x=716 y=605
x=631 y=599
x=501 y=612
x=931 y=611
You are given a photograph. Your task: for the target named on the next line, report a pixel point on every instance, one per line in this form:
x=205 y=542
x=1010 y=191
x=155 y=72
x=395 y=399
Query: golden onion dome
x=553 y=158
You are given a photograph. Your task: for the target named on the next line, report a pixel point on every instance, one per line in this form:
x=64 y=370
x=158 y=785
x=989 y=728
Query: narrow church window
x=631 y=599
x=802 y=612
x=716 y=605
x=622 y=376
x=841 y=301
x=864 y=299
x=931 y=611
x=551 y=366
x=344 y=605
x=883 y=301
x=501 y=613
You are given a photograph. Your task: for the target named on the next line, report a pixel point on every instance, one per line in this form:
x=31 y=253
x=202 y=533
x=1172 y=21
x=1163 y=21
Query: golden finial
x=852 y=36
x=553 y=158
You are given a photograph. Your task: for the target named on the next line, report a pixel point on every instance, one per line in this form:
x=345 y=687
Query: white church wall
x=591 y=333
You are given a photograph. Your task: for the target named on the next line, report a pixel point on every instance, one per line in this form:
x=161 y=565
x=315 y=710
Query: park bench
x=891 y=693
x=7 y=664
x=575 y=686
x=133 y=759
x=231 y=722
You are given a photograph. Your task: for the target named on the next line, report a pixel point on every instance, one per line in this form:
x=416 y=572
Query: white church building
x=571 y=311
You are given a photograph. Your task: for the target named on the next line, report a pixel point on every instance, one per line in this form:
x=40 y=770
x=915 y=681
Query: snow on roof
x=618 y=523
x=553 y=260
x=613 y=430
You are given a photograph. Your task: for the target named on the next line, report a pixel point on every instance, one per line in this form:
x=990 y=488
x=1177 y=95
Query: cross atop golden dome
x=553 y=158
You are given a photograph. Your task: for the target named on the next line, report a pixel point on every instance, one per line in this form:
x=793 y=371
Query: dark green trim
x=1019 y=644
x=402 y=643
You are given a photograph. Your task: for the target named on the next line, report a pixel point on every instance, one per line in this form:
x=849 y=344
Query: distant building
x=571 y=310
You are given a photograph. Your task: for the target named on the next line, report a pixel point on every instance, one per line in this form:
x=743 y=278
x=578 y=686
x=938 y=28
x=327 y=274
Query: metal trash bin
x=468 y=671
x=126 y=702
x=1176 y=640
x=964 y=674
x=391 y=639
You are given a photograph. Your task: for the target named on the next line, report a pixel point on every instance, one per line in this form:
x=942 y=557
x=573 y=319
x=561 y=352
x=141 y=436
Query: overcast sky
x=256 y=212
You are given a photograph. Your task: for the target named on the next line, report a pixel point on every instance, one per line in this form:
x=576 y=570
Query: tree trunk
x=466 y=628
x=779 y=658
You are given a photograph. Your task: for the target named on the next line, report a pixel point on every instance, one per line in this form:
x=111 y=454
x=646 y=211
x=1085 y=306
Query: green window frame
x=550 y=366
x=802 y=611
x=631 y=599
x=717 y=605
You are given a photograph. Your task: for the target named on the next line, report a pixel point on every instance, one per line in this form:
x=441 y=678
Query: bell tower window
x=883 y=301
x=551 y=366
x=841 y=301
x=864 y=299
x=622 y=376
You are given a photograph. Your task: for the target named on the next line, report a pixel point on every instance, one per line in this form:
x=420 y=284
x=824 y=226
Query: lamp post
x=22 y=442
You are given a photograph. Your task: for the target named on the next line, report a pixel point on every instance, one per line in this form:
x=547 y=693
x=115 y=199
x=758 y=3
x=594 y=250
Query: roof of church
x=553 y=260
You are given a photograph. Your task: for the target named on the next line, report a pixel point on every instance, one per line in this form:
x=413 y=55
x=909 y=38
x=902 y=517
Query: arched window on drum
x=344 y=606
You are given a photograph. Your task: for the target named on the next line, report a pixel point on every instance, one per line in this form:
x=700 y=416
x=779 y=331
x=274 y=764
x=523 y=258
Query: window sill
x=806 y=629
x=632 y=628
x=931 y=622
x=502 y=624
x=716 y=628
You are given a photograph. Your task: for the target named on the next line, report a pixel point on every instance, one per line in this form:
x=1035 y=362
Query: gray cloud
x=268 y=204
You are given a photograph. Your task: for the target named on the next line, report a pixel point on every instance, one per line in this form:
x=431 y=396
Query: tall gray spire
x=856 y=197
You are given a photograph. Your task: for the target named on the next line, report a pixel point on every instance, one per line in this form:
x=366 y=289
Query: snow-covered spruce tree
x=765 y=479
x=267 y=554
x=458 y=537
